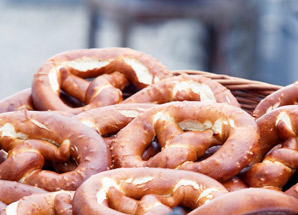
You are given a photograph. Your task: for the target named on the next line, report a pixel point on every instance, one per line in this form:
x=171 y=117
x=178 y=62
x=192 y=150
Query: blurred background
x=253 y=39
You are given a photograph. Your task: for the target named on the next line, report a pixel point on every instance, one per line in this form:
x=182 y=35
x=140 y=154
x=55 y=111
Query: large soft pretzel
x=279 y=149
x=144 y=190
x=18 y=101
x=184 y=87
x=112 y=69
x=250 y=201
x=58 y=203
x=285 y=96
x=185 y=130
x=33 y=137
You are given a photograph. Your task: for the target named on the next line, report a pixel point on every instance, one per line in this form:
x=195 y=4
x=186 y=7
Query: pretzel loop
x=185 y=130
x=111 y=68
x=33 y=137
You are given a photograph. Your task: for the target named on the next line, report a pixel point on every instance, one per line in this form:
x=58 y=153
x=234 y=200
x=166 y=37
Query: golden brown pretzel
x=106 y=121
x=285 y=96
x=32 y=137
x=58 y=203
x=250 y=201
x=144 y=190
x=185 y=130
x=184 y=87
x=279 y=149
x=18 y=101
x=111 y=68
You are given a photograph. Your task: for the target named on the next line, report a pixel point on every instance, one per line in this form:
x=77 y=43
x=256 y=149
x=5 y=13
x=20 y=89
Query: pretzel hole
x=291 y=182
x=209 y=152
x=129 y=90
x=153 y=149
x=69 y=100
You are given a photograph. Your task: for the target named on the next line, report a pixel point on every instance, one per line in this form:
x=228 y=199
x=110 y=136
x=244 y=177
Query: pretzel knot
x=107 y=121
x=111 y=68
x=32 y=138
x=285 y=96
x=185 y=131
x=278 y=157
x=184 y=88
x=144 y=190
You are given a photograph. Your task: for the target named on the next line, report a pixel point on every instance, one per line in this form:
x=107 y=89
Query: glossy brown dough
x=111 y=68
x=107 y=121
x=144 y=190
x=11 y=191
x=185 y=130
x=33 y=137
x=278 y=157
x=18 y=101
x=184 y=88
x=285 y=96
x=250 y=201
x=58 y=203
x=111 y=119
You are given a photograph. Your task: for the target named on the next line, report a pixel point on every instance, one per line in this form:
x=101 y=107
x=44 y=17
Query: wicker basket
x=248 y=93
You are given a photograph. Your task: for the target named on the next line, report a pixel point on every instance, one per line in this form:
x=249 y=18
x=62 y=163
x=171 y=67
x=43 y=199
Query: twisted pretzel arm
x=184 y=87
x=250 y=201
x=278 y=157
x=12 y=191
x=48 y=203
x=285 y=96
x=18 y=101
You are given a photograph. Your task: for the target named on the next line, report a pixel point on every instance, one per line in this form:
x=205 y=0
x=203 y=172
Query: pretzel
x=12 y=191
x=279 y=149
x=107 y=121
x=33 y=137
x=205 y=124
x=112 y=68
x=110 y=119
x=58 y=203
x=250 y=201
x=184 y=87
x=285 y=96
x=144 y=190
x=18 y=101
x=234 y=184
x=293 y=191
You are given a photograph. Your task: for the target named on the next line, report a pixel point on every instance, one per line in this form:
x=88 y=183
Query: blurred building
x=255 y=39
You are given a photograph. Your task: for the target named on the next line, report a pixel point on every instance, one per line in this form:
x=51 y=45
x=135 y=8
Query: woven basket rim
x=247 y=92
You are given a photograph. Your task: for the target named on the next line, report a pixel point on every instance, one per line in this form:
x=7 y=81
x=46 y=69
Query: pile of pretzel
x=113 y=131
